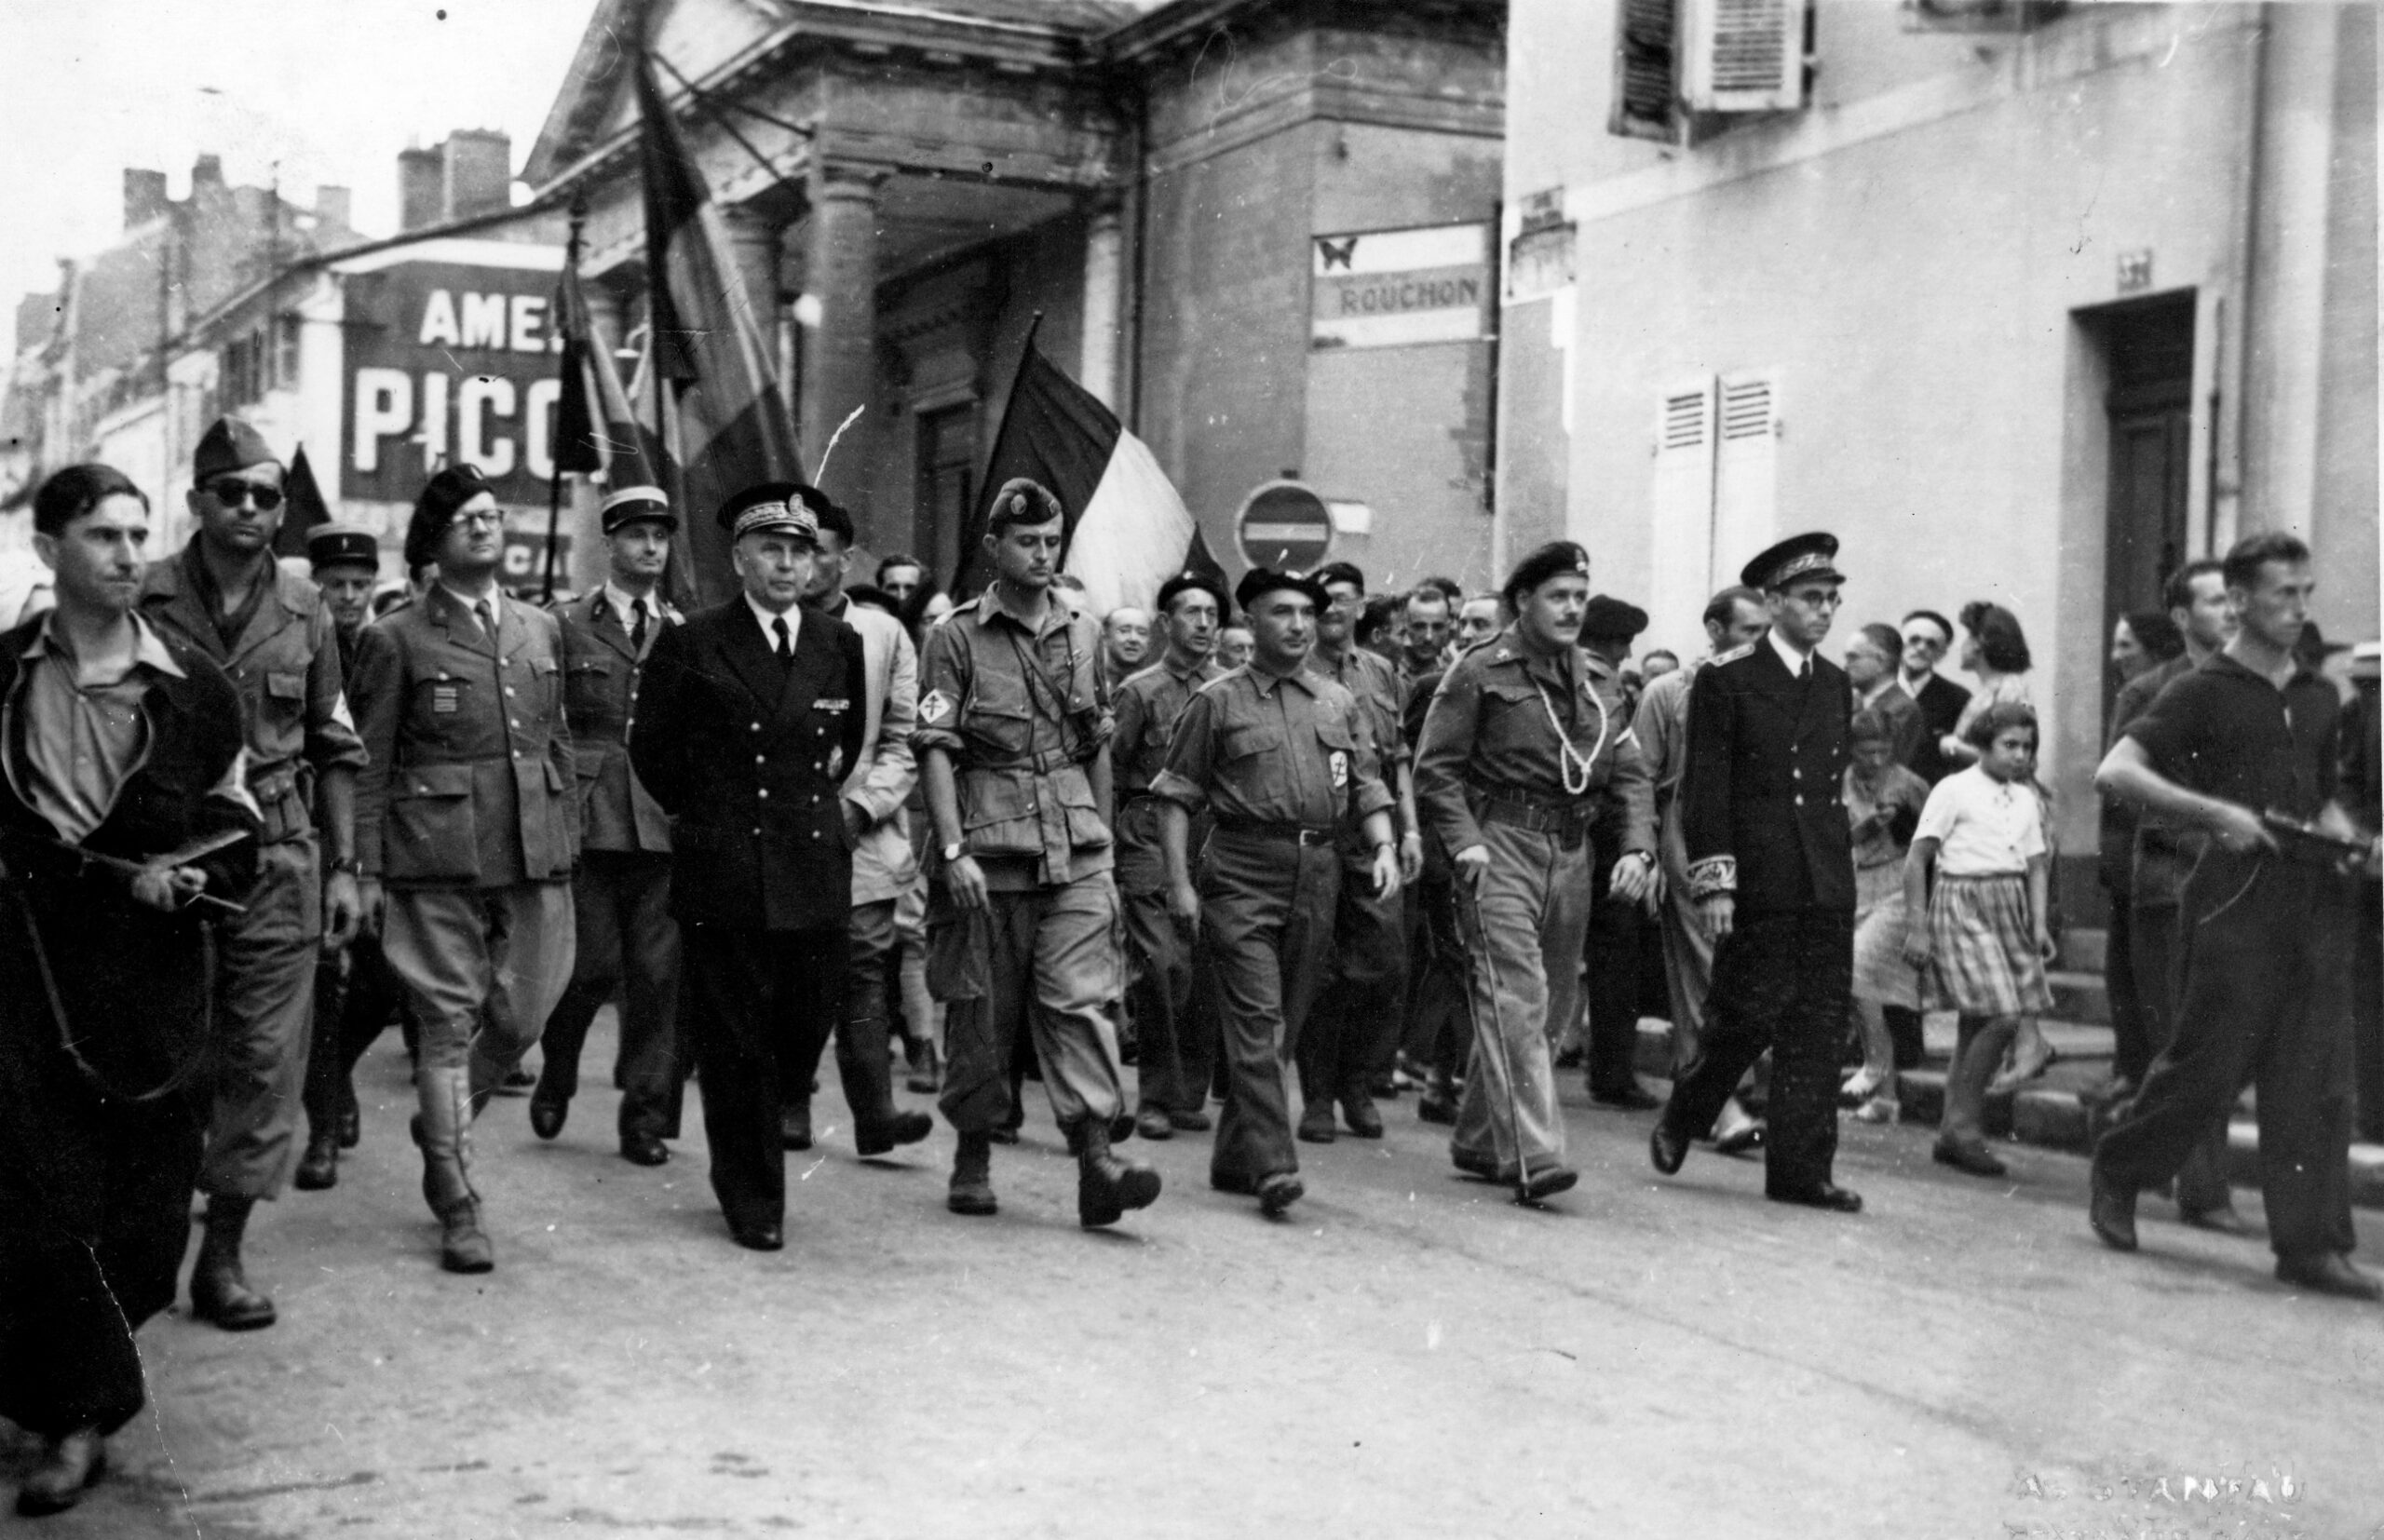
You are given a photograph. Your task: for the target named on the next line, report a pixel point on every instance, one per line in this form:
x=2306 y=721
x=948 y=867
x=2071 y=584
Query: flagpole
x=968 y=556
x=554 y=477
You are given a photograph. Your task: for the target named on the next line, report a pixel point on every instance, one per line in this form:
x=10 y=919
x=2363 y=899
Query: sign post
x=1284 y=525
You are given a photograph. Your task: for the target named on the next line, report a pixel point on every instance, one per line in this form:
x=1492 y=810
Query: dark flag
x=597 y=432
x=1127 y=530
x=304 y=508
x=709 y=354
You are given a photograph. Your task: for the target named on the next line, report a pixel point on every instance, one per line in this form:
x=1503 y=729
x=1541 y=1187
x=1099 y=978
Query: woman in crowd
x=1883 y=804
x=1982 y=936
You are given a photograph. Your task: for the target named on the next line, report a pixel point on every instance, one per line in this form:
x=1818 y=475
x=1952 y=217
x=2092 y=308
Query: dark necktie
x=487 y=617
x=637 y=625
x=786 y=642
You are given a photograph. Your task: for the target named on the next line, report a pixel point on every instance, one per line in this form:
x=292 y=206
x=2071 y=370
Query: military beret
x=1184 y=582
x=1799 y=556
x=342 y=545
x=1557 y=558
x=1022 y=501
x=769 y=506
x=630 y=504
x=230 y=444
x=1260 y=581
x=1610 y=620
x=442 y=498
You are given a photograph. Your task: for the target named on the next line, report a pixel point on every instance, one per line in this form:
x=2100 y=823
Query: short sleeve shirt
x=1281 y=749
x=1149 y=706
x=2226 y=732
x=1984 y=827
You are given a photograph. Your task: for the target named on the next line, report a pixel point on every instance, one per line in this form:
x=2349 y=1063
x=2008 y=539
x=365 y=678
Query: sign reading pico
x=451 y=361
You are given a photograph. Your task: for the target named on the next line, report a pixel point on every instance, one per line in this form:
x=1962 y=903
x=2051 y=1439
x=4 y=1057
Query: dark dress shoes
x=2220 y=1218
x=2328 y=1273
x=1277 y=1192
x=1634 y=1097
x=1363 y=1117
x=1316 y=1123
x=880 y=1136
x=68 y=1468
x=757 y=1237
x=1437 y=1106
x=643 y=1150
x=1474 y=1163
x=1965 y=1155
x=318 y=1167
x=1548 y=1182
x=547 y=1118
x=795 y=1126
x=1188 y=1123
x=1828 y=1195
x=1666 y=1147
x=1154 y=1123
x=2110 y=1208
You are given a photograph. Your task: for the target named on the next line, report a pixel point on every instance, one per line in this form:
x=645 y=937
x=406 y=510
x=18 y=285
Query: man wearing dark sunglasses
x=272 y=633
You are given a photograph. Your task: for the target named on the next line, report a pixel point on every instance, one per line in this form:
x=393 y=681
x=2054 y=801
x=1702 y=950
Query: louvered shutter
x=1647 y=75
x=1681 y=511
x=1746 y=461
x=1742 y=56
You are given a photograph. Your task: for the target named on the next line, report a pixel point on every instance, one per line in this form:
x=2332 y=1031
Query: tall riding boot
x=219 y=1290
x=1108 y=1184
x=445 y=1134
x=864 y=1061
x=972 y=1177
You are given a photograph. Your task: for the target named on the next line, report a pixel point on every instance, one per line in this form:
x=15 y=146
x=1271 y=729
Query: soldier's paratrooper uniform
x=1519 y=747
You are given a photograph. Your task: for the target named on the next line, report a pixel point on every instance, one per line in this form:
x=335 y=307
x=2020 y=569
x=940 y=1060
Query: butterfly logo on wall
x=1336 y=253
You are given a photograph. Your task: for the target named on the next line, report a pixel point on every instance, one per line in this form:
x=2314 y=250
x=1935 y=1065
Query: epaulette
x=1733 y=654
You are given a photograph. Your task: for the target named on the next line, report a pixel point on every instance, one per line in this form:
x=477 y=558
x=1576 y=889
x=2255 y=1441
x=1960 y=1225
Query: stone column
x=840 y=352
x=1104 y=294
x=753 y=243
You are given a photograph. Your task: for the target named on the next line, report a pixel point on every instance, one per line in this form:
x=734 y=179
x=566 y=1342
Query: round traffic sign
x=1284 y=525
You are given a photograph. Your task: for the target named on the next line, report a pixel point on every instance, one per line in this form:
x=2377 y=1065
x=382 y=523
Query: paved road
x=1410 y=1355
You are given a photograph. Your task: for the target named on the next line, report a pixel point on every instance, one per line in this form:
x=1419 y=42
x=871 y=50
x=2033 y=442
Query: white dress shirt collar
x=1794 y=660
x=769 y=619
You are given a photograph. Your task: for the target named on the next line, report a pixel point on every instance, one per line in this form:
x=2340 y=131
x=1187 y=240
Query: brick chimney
x=480 y=173
x=145 y=196
x=332 y=207
x=420 y=199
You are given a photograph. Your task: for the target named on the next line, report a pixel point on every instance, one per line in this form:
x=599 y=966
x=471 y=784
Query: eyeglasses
x=231 y=491
x=491 y=519
x=1924 y=642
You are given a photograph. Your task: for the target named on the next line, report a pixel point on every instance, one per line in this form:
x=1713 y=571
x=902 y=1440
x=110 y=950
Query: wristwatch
x=952 y=852
x=342 y=863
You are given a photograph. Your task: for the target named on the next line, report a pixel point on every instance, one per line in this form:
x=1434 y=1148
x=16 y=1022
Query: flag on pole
x=710 y=361
x=306 y=507
x=1127 y=530
x=598 y=432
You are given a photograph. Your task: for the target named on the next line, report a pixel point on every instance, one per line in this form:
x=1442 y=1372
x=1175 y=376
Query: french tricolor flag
x=1127 y=530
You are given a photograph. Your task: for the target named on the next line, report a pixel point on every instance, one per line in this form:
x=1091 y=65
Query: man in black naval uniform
x=1771 y=869
x=749 y=715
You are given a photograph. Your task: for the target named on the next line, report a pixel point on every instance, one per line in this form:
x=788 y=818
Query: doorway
x=2149 y=350
x=947 y=461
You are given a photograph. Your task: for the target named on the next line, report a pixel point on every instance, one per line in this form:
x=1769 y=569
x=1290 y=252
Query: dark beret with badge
x=1610 y=620
x=632 y=505
x=1184 y=583
x=769 y=508
x=229 y=445
x=1557 y=558
x=1796 y=560
x=1260 y=581
x=338 y=545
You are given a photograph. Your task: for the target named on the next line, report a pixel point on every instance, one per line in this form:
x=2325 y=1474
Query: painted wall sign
x=1399 y=288
x=2135 y=271
x=448 y=361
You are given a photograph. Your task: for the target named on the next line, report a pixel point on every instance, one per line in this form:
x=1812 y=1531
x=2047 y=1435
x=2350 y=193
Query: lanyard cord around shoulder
x=1575 y=767
x=1030 y=664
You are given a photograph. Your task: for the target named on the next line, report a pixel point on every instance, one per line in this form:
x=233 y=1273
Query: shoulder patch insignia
x=935 y=707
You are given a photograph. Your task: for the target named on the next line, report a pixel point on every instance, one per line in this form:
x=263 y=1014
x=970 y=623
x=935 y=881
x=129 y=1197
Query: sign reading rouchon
x=1398 y=288
x=450 y=361
x=1284 y=525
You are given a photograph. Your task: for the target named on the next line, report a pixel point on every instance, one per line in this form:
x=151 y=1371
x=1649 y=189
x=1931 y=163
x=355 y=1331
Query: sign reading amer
x=1398 y=288
x=447 y=361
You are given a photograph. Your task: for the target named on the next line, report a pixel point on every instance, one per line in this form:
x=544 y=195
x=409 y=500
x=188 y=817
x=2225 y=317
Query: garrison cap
x=231 y=444
x=630 y=504
x=1260 y=581
x=338 y=545
x=1610 y=620
x=769 y=506
x=1184 y=582
x=1799 y=556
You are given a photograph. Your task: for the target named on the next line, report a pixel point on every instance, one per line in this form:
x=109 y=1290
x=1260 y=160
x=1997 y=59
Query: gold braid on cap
x=761 y=516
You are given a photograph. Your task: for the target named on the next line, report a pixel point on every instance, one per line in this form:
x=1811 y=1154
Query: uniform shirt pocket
x=588 y=689
x=431 y=833
x=999 y=716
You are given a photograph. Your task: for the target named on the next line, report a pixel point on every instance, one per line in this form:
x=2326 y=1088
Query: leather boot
x=69 y=1467
x=318 y=1169
x=1108 y=1184
x=972 y=1176
x=446 y=1134
x=218 y=1290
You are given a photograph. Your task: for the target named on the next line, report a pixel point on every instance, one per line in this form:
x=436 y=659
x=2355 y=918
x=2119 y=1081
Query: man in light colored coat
x=875 y=787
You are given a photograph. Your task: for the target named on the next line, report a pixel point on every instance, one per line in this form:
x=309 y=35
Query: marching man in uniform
x=1280 y=757
x=1771 y=867
x=1014 y=745
x=1520 y=744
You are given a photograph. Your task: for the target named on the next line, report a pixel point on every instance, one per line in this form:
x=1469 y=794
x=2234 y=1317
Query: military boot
x=218 y=1290
x=972 y=1177
x=1108 y=1184
x=444 y=1131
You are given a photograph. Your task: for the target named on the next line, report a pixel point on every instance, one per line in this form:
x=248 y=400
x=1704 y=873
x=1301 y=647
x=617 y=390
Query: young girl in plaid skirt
x=1981 y=939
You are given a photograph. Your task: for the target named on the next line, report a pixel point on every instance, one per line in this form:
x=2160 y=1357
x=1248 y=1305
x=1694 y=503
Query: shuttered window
x=1646 y=71
x=1681 y=503
x=1742 y=56
x=1746 y=476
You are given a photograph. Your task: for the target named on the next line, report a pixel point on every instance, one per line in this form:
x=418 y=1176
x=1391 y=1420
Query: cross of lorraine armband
x=1715 y=877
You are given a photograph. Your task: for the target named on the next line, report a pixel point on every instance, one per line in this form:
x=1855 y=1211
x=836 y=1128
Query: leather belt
x=1565 y=817
x=1295 y=833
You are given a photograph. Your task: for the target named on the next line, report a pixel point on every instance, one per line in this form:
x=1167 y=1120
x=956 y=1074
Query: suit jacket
x=1941 y=702
x=1760 y=809
x=471 y=780
x=882 y=775
x=747 y=757
x=602 y=673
